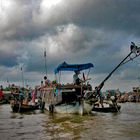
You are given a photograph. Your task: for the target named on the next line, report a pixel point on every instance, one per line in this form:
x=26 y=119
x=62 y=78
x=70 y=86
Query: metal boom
x=134 y=50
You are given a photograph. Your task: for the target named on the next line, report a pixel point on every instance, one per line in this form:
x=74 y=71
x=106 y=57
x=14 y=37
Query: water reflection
x=44 y=126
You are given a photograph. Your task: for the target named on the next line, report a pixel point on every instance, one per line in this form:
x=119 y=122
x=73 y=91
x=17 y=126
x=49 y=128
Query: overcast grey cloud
x=97 y=31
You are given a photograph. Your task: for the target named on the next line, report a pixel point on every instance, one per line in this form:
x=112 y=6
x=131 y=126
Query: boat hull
x=24 y=108
x=107 y=109
x=73 y=108
x=3 y=102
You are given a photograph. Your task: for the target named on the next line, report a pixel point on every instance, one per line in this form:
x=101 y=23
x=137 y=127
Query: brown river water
x=37 y=125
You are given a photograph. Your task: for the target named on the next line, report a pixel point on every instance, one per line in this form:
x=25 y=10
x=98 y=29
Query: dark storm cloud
x=8 y=60
x=112 y=15
x=9 y=52
x=16 y=19
x=29 y=19
x=109 y=15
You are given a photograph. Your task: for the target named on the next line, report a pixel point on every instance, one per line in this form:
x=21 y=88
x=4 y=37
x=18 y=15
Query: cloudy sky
x=75 y=31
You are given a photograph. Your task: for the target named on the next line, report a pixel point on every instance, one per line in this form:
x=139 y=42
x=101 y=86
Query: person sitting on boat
x=29 y=95
x=108 y=96
x=76 y=79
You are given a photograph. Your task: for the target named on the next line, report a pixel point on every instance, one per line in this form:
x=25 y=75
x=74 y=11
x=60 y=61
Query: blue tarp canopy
x=72 y=67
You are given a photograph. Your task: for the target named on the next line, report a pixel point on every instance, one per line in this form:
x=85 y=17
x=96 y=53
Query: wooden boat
x=23 y=105
x=21 y=100
x=18 y=107
x=68 y=98
x=65 y=101
x=107 y=108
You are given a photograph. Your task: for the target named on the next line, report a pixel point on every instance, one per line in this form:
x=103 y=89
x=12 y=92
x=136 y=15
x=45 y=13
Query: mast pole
x=45 y=57
x=22 y=77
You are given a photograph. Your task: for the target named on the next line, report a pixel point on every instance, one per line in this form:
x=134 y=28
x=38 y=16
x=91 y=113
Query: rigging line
x=131 y=59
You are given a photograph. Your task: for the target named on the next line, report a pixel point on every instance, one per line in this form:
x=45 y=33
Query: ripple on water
x=98 y=126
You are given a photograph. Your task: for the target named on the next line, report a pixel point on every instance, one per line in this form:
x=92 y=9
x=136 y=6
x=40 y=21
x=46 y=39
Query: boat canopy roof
x=72 y=67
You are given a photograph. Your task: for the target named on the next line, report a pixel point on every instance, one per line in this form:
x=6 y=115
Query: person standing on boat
x=42 y=85
x=114 y=99
x=98 y=94
x=21 y=95
x=108 y=96
x=1 y=93
x=34 y=96
x=47 y=82
x=76 y=79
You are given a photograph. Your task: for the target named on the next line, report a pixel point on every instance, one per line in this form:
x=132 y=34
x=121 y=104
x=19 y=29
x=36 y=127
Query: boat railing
x=51 y=95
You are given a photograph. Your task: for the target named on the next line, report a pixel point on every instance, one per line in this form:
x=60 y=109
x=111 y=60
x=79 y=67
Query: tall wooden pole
x=22 y=77
x=45 y=57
